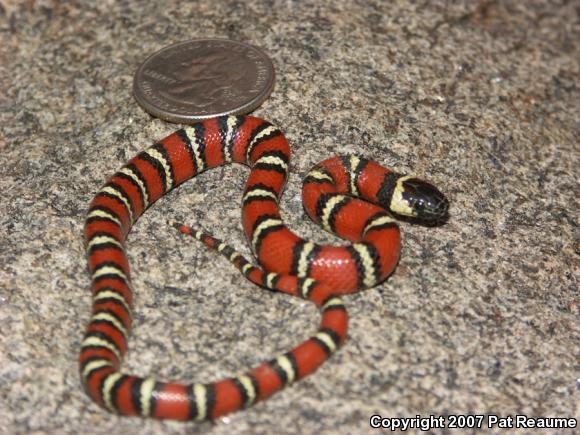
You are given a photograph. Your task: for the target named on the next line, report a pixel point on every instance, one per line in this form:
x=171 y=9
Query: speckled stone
x=481 y=316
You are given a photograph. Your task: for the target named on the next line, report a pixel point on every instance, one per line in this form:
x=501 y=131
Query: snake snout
x=439 y=212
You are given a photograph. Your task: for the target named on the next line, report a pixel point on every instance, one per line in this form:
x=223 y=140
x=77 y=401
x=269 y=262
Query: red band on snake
x=350 y=196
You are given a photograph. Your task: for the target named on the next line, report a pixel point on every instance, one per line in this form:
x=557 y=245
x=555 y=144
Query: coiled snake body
x=350 y=196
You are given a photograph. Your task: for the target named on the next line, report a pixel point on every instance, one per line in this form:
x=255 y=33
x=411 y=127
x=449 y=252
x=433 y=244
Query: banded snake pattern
x=350 y=196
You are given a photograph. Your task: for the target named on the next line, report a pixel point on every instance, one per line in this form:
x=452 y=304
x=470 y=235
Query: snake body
x=348 y=195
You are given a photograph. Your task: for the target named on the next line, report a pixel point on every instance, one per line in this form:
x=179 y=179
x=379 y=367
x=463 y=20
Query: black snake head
x=420 y=201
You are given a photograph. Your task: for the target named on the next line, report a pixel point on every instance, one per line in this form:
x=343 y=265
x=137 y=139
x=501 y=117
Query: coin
x=202 y=78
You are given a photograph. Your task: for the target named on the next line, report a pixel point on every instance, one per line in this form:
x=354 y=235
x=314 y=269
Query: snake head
x=418 y=200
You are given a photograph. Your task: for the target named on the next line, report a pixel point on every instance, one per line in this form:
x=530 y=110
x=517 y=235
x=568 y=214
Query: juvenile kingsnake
x=289 y=263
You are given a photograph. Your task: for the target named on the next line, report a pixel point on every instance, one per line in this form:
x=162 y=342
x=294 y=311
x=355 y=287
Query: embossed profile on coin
x=208 y=76
x=199 y=79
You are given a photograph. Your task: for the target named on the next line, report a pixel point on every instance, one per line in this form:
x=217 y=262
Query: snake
x=350 y=196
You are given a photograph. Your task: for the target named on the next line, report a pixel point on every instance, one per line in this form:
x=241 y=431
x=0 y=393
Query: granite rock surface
x=481 y=315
